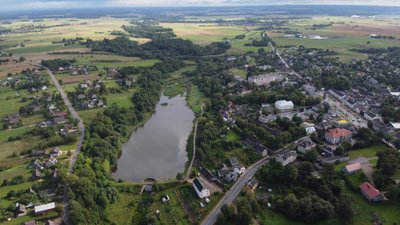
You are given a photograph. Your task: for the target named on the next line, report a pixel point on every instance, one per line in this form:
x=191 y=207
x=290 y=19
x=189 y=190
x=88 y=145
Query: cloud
x=41 y=4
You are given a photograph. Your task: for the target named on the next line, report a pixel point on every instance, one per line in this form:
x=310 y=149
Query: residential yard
x=88 y=115
x=14 y=148
x=128 y=210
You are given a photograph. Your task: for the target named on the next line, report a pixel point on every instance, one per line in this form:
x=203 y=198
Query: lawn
x=121 y=99
x=239 y=72
x=122 y=211
x=10 y=173
x=6 y=134
x=17 y=147
x=367 y=152
x=32 y=120
x=232 y=136
x=387 y=211
x=88 y=115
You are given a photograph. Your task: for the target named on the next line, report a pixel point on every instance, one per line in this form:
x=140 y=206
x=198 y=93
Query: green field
x=345 y=34
x=196 y=99
x=367 y=152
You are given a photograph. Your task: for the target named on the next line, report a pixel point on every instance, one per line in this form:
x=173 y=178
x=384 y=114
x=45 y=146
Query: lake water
x=158 y=149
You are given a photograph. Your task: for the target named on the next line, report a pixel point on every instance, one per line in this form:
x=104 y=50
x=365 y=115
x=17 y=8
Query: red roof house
x=337 y=135
x=60 y=114
x=371 y=193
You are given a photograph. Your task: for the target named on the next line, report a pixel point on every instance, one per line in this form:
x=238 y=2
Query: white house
x=201 y=191
x=284 y=105
x=287 y=158
x=310 y=130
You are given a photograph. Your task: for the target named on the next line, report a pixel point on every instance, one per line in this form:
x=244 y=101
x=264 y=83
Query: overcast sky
x=41 y=4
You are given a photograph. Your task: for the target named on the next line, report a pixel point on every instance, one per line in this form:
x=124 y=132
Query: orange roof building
x=337 y=135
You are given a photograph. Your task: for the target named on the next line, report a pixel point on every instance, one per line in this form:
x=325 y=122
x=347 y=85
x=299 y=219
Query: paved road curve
x=240 y=183
x=81 y=127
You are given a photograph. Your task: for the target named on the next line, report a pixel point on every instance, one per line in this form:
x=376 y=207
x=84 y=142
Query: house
x=337 y=135
x=352 y=168
x=396 y=126
x=253 y=183
x=36 y=174
x=304 y=146
x=370 y=116
x=310 y=130
x=231 y=176
x=222 y=171
x=53 y=222
x=56 y=152
x=51 y=161
x=284 y=105
x=257 y=146
x=32 y=222
x=83 y=86
x=38 y=164
x=12 y=120
x=267 y=119
x=148 y=188
x=286 y=158
x=371 y=193
x=42 y=209
x=20 y=210
x=338 y=94
x=233 y=161
x=201 y=191
x=59 y=120
x=59 y=114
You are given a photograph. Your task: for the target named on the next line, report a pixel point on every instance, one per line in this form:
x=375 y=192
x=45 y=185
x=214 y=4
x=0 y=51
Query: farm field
x=204 y=34
x=343 y=35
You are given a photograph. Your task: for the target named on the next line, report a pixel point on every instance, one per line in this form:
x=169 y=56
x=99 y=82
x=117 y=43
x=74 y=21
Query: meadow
x=344 y=34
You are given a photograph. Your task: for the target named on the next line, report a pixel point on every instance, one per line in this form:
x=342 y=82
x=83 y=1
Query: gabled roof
x=369 y=190
x=353 y=167
x=338 y=132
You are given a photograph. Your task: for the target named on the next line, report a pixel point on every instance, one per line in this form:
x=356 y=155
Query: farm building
x=42 y=209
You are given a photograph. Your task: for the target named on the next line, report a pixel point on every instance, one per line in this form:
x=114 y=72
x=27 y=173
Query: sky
x=44 y=4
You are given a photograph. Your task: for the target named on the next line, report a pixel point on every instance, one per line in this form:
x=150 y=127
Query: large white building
x=265 y=79
x=201 y=191
x=284 y=105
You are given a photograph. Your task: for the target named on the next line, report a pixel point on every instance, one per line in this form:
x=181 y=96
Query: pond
x=158 y=148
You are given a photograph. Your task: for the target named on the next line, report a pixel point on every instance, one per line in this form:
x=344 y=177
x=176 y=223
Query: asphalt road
x=81 y=127
x=230 y=195
x=74 y=157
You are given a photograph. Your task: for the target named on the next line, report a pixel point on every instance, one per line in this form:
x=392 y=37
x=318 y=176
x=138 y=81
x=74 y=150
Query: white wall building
x=284 y=105
x=201 y=191
x=265 y=79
